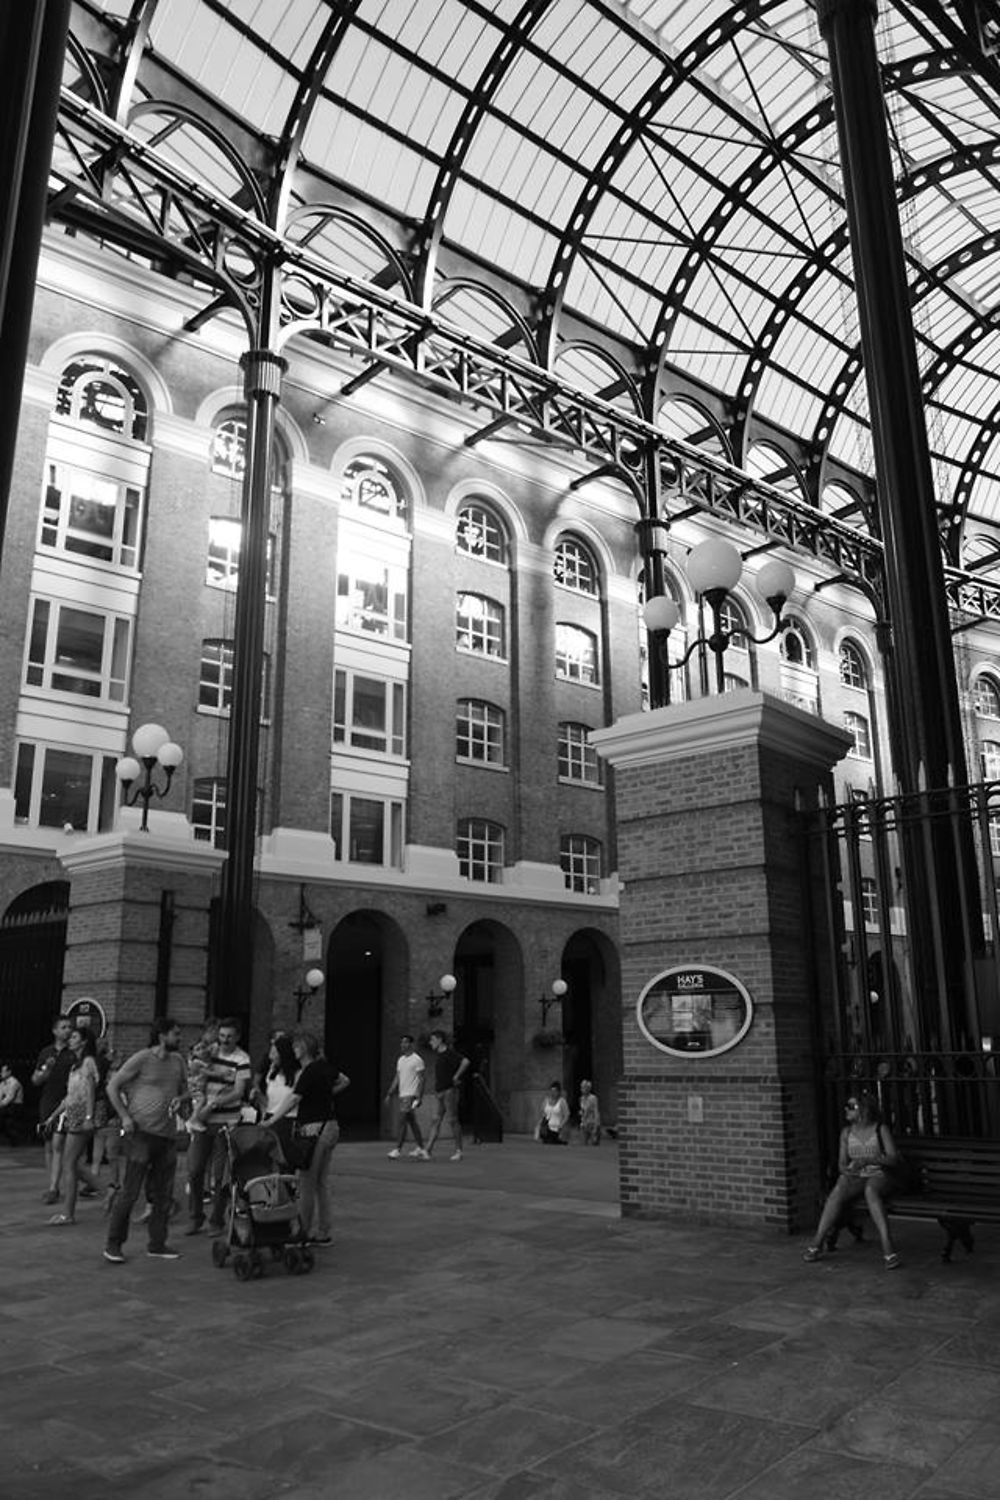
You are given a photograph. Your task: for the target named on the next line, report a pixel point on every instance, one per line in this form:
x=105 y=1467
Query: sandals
x=893 y=1261
x=814 y=1252
x=60 y=1219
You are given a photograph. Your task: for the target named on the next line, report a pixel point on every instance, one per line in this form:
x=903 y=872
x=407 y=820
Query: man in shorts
x=408 y=1083
x=449 y=1068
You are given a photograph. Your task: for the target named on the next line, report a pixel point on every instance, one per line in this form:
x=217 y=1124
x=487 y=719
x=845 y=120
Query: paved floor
x=491 y=1330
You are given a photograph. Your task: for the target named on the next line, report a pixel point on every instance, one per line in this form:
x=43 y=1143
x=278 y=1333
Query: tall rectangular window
x=576 y=654
x=580 y=858
x=366 y=830
x=479 y=732
x=208 y=810
x=56 y=787
x=215 y=682
x=369 y=713
x=222 y=569
x=480 y=626
x=90 y=515
x=480 y=849
x=577 y=757
x=371 y=597
x=73 y=650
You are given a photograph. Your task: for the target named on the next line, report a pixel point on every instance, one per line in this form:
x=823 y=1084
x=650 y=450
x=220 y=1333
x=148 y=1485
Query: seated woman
x=555 y=1117
x=867 y=1149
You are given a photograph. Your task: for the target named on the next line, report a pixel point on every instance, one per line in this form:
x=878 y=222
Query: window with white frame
x=208 y=810
x=369 y=713
x=74 y=650
x=734 y=623
x=371 y=596
x=796 y=646
x=989 y=756
x=869 y=901
x=91 y=515
x=994 y=834
x=480 y=625
x=576 y=654
x=480 y=732
x=366 y=830
x=101 y=393
x=59 y=787
x=986 y=697
x=480 y=849
x=229 y=447
x=857 y=727
x=215 y=684
x=580 y=858
x=370 y=484
x=480 y=533
x=574 y=567
x=853 y=673
x=576 y=755
x=222 y=569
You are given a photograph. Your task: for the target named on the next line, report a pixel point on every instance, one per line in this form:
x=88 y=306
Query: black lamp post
x=436 y=1002
x=153 y=747
x=559 y=989
x=713 y=569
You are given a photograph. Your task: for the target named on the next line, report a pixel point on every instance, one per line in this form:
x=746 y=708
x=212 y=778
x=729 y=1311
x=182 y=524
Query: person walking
x=450 y=1068
x=554 y=1123
x=227 y=1085
x=50 y=1075
x=146 y=1093
x=76 y=1109
x=408 y=1083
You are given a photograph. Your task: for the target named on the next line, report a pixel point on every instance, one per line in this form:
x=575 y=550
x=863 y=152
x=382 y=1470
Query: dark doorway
x=591 y=1019
x=353 y=1029
x=32 y=950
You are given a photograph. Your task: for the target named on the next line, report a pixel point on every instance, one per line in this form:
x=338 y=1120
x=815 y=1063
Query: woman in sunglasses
x=867 y=1154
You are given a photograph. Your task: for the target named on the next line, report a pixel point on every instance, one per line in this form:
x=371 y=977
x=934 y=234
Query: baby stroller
x=263 y=1208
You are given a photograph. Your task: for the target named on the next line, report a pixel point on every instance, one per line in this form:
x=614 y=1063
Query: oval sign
x=692 y=1011
x=88 y=1012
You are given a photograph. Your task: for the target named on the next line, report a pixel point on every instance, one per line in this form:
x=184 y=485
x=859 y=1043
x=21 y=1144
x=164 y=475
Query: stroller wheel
x=242 y=1267
x=293 y=1260
x=220 y=1253
x=308 y=1259
x=257 y=1264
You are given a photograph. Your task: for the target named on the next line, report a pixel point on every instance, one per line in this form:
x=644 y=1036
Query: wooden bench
x=959 y=1187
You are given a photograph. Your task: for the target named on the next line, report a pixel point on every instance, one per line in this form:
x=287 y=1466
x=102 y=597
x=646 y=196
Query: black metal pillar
x=32 y=54
x=233 y=969
x=943 y=901
x=652 y=532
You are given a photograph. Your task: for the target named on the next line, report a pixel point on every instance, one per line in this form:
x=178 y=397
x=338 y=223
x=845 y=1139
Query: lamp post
x=714 y=568
x=313 y=981
x=436 y=1002
x=559 y=989
x=153 y=747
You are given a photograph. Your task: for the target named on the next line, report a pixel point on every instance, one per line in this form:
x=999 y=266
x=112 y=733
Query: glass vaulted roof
x=656 y=180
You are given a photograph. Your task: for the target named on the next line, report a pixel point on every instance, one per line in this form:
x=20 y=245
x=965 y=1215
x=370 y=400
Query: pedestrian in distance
x=311 y=1099
x=227 y=1086
x=554 y=1122
x=450 y=1068
x=75 y=1111
x=50 y=1075
x=590 y=1114
x=408 y=1083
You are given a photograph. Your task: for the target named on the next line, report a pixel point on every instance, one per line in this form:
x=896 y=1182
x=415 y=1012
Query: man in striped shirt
x=227 y=1084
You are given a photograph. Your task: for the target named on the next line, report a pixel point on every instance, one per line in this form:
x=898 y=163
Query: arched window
x=735 y=623
x=857 y=727
x=986 y=696
x=796 y=647
x=853 y=673
x=480 y=732
x=989 y=755
x=101 y=393
x=577 y=757
x=480 y=533
x=480 y=625
x=576 y=654
x=229 y=447
x=370 y=485
x=574 y=567
x=580 y=859
x=480 y=849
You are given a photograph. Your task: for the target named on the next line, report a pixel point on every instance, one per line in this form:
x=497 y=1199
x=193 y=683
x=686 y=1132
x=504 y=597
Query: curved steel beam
x=133 y=40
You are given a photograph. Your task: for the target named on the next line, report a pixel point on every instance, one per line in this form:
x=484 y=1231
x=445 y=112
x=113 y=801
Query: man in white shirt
x=409 y=1085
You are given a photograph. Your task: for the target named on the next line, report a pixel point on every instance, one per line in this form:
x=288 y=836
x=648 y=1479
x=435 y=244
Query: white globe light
x=714 y=564
x=314 y=978
x=775 y=580
x=127 y=768
x=147 y=740
x=448 y=983
x=559 y=988
x=170 y=756
x=661 y=612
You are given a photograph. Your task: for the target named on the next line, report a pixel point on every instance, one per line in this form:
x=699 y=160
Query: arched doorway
x=592 y=1018
x=32 y=949
x=366 y=987
x=489 y=1005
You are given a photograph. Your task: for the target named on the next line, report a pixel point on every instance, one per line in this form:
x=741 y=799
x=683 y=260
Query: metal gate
x=32 y=950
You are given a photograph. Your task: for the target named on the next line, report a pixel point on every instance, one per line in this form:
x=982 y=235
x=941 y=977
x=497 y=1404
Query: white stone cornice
x=725 y=721
x=131 y=847
x=181 y=435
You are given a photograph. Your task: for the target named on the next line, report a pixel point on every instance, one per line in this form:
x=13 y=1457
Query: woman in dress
x=867 y=1150
x=77 y=1112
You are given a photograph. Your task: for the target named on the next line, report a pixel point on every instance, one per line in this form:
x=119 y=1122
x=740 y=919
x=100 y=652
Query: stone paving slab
x=491 y=1329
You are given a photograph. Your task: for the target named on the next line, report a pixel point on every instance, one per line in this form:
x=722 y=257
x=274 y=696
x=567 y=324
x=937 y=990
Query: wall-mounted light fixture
x=436 y=1001
x=312 y=981
x=154 y=747
x=713 y=569
x=559 y=989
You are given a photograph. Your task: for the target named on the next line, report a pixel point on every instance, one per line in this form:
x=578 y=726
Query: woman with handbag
x=76 y=1114
x=867 y=1154
x=315 y=1133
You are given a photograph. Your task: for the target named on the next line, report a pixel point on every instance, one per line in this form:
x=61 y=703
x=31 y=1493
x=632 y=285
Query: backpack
x=905 y=1177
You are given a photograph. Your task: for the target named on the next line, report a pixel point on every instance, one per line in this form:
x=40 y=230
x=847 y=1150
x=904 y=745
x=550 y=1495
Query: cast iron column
x=231 y=981
x=652 y=532
x=32 y=54
x=925 y=724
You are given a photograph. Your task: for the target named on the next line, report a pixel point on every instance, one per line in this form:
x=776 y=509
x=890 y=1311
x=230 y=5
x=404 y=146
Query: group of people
x=553 y=1125
x=155 y=1100
x=450 y=1067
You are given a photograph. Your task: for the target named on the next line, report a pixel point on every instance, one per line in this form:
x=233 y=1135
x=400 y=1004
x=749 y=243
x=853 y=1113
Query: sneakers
x=455 y=1156
x=113 y=1254
x=420 y=1154
x=165 y=1254
x=394 y=1153
x=813 y=1252
x=893 y=1262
